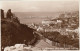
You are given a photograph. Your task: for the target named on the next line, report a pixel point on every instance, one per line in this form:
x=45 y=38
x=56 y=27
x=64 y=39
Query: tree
x=53 y=36
x=63 y=39
x=9 y=14
x=2 y=14
x=74 y=43
x=62 y=15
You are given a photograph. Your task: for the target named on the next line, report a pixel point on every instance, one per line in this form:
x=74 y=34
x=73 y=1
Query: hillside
x=15 y=33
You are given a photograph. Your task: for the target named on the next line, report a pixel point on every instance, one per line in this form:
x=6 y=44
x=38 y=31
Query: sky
x=40 y=6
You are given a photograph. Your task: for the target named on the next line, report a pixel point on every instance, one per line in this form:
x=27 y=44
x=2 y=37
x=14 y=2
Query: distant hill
x=24 y=14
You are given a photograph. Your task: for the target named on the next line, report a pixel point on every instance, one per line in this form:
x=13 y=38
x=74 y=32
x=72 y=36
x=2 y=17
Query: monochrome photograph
x=39 y=25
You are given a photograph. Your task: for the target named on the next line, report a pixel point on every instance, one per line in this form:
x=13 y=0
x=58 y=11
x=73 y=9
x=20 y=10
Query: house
x=76 y=30
x=40 y=29
x=47 y=22
x=59 y=21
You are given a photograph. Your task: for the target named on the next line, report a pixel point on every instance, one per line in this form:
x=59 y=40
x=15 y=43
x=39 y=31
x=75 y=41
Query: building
x=76 y=30
x=40 y=29
x=47 y=22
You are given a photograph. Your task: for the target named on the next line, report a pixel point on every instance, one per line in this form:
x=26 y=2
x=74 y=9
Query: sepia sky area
x=40 y=6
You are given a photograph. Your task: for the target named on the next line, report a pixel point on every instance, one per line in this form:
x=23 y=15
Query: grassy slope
x=13 y=33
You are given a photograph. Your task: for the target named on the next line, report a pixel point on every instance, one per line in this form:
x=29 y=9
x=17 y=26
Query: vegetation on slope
x=12 y=34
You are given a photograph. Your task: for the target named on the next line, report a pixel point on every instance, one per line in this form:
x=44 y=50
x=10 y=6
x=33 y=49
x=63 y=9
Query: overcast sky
x=40 y=6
